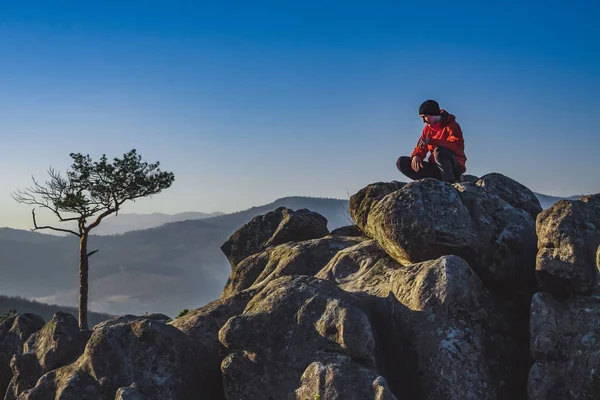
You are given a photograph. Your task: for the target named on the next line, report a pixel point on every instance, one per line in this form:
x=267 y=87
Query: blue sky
x=247 y=102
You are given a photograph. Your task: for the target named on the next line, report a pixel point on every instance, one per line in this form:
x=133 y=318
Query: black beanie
x=430 y=107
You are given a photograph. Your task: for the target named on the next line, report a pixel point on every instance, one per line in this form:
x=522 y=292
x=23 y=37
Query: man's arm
x=420 y=150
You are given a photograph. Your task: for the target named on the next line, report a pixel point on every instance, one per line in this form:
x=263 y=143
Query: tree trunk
x=83 y=282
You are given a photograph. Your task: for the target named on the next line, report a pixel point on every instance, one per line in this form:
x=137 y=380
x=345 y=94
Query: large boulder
x=565 y=338
x=296 y=258
x=281 y=225
x=427 y=219
x=58 y=343
x=568 y=239
x=14 y=331
x=162 y=362
x=441 y=309
x=291 y=323
x=511 y=191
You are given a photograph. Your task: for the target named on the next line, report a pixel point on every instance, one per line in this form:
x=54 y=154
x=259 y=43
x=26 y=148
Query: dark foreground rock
x=162 y=362
x=58 y=343
x=564 y=342
x=14 y=331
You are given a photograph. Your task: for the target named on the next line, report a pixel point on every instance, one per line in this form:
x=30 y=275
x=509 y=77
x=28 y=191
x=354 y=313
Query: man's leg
x=428 y=170
x=446 y=164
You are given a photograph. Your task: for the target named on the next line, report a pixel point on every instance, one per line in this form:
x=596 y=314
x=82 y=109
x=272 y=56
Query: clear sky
x=249 y=101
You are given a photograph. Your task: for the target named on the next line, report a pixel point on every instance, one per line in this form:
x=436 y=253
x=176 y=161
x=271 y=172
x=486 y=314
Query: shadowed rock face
x=14 y=331
x=568 y=240
x=57 y=344
x=161 y=360
x=428 y=296
x=564 y=342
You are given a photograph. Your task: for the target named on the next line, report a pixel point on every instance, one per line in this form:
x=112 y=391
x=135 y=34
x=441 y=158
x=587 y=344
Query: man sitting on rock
x=443 y=137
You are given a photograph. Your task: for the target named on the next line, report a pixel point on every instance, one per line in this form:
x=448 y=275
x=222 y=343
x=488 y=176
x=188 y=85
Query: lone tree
x=92 y=191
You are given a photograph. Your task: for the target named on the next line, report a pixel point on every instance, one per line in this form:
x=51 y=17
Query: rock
x=14 y=331
x=362 y=268
x=163 y=362
x=128 y=318
x=442 y=314
x=341 y=378
x=349 y=230
x=280 y=226
x=568 y=239
x=303 y=258
x=564 y=344
x=57 y=344
x=292 y=322
x=203 y=326
x=365 y=199
x=511 y=191
x=497 y=240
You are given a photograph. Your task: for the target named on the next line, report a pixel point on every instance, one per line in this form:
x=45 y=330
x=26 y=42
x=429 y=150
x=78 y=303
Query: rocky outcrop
x=428 y=295
x=162 y=361
x=276 y=227
x=314 y=315
x=14 y=331
x=427 y=219
x=57 y=344
x=568 y=239
x=303 y=258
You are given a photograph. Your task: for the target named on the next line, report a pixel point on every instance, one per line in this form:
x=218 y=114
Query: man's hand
x=416 y=163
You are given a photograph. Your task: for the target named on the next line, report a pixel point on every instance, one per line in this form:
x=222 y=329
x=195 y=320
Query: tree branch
x=99 y=218
x=36 y=227
x=92 y=252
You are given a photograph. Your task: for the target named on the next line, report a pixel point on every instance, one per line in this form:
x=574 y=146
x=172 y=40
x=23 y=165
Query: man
x=443 y=137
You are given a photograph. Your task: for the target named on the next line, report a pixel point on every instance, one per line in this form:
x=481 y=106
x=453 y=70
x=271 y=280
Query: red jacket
x=446 y=133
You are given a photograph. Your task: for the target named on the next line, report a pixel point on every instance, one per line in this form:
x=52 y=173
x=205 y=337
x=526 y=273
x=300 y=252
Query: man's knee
x=402 y=163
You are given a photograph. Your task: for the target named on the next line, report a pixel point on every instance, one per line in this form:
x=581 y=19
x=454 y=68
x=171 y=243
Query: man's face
x=429 y=119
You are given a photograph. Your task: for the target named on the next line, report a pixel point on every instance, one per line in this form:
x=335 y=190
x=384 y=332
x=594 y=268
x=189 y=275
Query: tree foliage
x=94 y=188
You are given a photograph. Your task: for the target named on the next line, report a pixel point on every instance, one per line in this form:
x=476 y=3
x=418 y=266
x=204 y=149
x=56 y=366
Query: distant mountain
x=125 y=222
x=162 y=269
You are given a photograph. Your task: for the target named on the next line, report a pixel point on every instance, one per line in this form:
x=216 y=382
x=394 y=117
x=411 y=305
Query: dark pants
x=445 y=168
